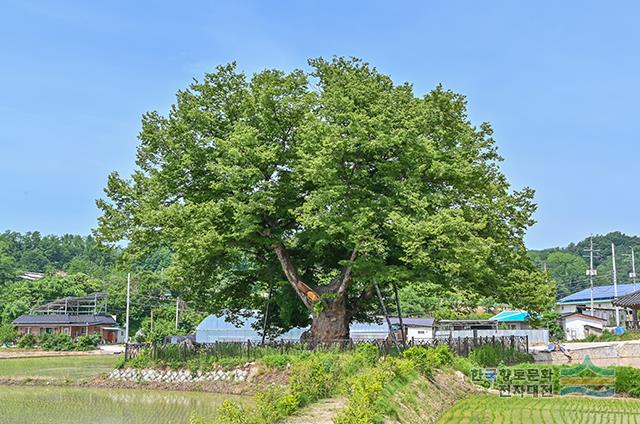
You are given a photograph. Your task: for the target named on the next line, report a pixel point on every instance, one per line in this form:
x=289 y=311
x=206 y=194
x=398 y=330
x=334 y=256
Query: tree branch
x=342 y=281
x=307 y=293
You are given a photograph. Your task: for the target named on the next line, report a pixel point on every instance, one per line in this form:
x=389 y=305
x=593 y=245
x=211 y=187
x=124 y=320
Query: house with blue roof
x=603 y=297
x=512 y=320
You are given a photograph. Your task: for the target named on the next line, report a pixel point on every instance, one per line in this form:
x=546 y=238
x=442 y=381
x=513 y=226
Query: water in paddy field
x=72 y=405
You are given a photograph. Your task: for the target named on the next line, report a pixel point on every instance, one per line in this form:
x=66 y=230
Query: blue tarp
x=510 y=316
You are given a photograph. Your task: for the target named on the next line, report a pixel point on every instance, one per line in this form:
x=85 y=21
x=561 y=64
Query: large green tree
x=331 y=181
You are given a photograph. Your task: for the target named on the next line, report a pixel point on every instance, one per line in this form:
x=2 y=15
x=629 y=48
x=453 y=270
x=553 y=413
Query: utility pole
x=126 y=332
x=615 y=282
x=591 y=272
x=633 y=274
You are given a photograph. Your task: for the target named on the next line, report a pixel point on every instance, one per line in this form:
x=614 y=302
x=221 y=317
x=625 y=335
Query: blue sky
x=559 y=81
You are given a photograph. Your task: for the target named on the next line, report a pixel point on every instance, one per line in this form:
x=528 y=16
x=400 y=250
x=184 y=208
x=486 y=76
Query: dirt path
x=319 y=413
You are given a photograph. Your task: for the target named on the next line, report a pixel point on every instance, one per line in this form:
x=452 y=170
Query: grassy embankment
x=373 y=388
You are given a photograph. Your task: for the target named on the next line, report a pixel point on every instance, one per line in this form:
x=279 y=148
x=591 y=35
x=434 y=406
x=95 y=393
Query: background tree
x=8 y=268
x=333 y=181
x=565 y=263
x=567 y=269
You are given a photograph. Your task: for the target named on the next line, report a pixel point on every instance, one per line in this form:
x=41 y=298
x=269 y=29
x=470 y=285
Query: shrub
x=28 y=341
x=426 y=359
x=8 y=334
x=364 y=355
x=275 y=361
x=229 y=413
x=87 y=342
x=462 y=364
x=314 y=377
x=494 y=355
x=274 y=404
x=366 y=391
x=57 y=342
x=628 y=381
x=121 y=362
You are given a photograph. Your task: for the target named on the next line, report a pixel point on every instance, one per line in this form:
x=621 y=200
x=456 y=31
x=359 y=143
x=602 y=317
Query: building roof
x=31 y=276
x=568 y=314
x=600 y=293
x=59 y=319
x=413 y=322
x=631 y=300
x=510 y=316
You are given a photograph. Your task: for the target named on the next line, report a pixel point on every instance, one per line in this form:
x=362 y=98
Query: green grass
x=58 y=367
x=516 y=410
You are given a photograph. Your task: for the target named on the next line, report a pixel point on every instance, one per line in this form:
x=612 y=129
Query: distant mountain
x=568 y=265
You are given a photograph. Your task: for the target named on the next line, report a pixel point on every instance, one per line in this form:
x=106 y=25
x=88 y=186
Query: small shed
x=416 y=328
x=577 y=325
x=512 y=320
x=630 y=301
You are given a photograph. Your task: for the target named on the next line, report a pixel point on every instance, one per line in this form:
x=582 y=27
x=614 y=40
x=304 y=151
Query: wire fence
x=253 y=350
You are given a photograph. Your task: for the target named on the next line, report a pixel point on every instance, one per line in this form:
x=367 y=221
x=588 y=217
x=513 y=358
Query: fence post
x=526 y=342
x=248 y=350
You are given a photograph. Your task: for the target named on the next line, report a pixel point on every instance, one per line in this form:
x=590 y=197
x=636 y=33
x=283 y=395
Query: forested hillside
x=87 y=268
x=568 y=265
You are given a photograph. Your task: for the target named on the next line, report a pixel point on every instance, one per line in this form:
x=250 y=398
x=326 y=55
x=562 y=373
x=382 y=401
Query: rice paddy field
x=516 y=410
x=58 y=367
x=71 y=405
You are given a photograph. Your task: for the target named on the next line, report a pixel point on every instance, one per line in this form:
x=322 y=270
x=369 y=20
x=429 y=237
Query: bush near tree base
x=494 y=355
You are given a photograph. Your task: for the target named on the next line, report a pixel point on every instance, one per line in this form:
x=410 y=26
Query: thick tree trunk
x=331 y=323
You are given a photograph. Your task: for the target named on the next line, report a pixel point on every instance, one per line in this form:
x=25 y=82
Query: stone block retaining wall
x=179 y=376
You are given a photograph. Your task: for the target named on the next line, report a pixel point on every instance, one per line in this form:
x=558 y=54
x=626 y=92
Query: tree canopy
x=323 y=184
x=568 y=265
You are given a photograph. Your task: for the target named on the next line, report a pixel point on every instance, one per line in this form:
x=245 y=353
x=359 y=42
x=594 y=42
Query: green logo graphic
x=587 y=379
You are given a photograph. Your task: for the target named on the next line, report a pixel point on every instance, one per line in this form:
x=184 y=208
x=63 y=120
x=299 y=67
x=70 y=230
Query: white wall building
x=416 y=328
x=577 y=326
